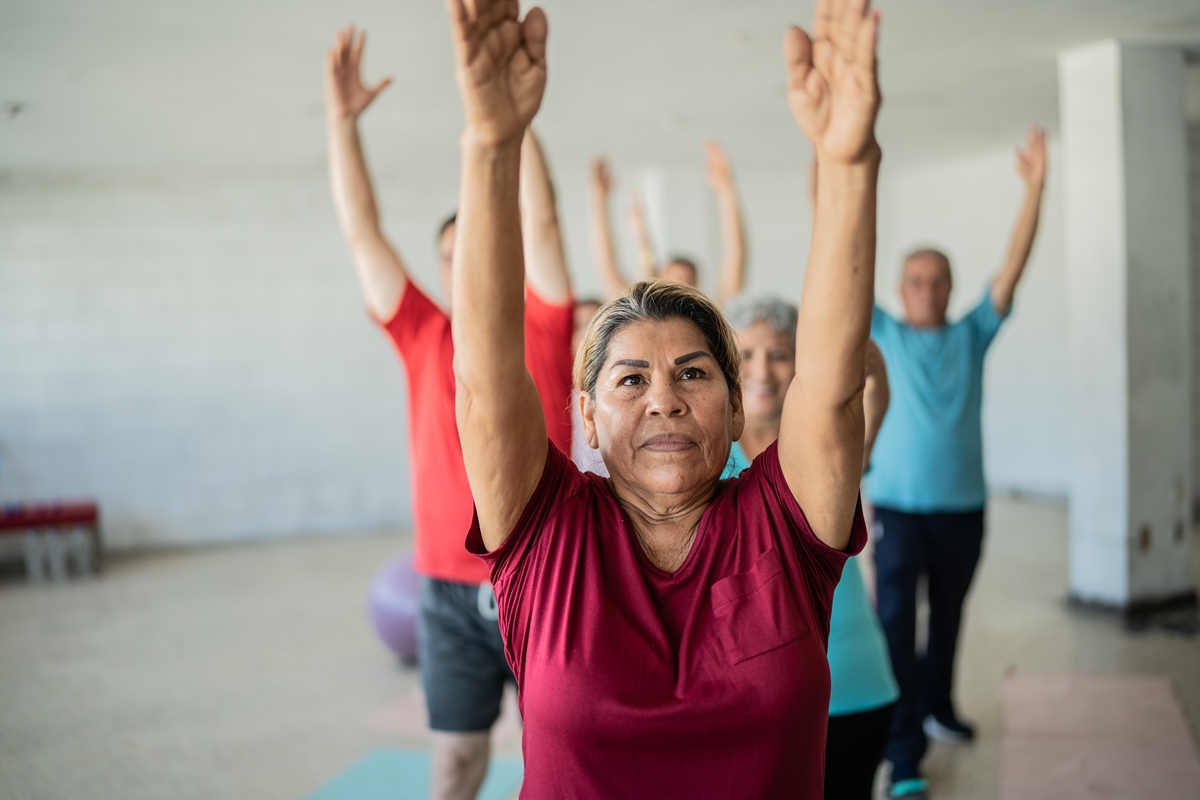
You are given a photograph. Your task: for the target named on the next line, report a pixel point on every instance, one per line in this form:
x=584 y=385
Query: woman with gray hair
x=667 y=628
x=863 y=691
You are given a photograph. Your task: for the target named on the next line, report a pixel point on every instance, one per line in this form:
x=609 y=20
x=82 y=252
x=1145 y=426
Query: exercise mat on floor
x=1075 y=736
x=391 y=774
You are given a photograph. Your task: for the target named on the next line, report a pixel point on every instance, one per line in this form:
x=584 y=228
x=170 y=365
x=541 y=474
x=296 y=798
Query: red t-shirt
x=442 y=502
x=711 y=682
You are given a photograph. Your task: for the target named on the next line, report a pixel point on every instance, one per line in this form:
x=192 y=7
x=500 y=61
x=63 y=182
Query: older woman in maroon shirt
x=667 y=628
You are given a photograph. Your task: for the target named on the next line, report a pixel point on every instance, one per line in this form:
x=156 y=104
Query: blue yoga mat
x=391 y=774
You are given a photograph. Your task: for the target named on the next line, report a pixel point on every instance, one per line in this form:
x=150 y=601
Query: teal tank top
x=860 y=669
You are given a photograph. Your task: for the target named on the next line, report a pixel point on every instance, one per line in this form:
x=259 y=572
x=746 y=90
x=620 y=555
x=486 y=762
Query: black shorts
x=463 y=668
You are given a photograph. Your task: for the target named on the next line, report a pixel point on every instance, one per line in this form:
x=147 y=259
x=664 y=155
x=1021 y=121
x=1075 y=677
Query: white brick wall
x=192 y=351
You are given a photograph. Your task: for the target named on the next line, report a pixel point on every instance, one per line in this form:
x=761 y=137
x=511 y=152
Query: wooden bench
x=57 y=538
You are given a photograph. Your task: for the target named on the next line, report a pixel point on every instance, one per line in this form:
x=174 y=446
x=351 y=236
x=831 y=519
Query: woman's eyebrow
x=633 y=362
x=691 y=356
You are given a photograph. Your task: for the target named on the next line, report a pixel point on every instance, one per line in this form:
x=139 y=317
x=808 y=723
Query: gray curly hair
x=745 y=310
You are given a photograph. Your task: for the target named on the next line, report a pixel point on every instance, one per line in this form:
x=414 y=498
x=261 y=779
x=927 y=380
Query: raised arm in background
x=500 y=66
x=381 y=272
x=1031 y=163
x=731 y=278
x=647 y=260
x=604 y=250
x=877 y=394
x=834 y=96
x=545 y=258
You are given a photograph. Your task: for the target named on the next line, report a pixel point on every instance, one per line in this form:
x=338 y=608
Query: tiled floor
x=250 y=672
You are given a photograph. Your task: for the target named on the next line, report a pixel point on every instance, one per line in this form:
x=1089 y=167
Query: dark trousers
x=853 y=750
x=945 y=547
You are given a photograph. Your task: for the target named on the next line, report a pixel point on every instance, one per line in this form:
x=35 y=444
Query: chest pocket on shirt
x=755 y=610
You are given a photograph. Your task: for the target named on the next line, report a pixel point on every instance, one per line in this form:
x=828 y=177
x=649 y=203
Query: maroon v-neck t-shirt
x=711 y=682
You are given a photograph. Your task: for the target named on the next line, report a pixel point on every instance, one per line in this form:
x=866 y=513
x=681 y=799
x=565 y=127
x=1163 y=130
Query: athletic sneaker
x=910 y=789
x=950 y=731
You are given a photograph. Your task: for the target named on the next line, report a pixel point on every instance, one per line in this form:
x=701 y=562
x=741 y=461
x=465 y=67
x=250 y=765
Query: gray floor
x=247 y=672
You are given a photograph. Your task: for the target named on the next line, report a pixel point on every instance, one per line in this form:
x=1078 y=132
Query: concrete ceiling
x=234 y=86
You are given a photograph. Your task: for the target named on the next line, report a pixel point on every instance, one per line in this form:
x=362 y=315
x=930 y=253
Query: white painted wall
x=1194 y=168
x=1130 y=321
x=190 y=348
x=192 y=351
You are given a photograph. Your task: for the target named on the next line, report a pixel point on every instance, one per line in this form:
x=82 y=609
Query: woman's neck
x=665 y=527
x=758 y=435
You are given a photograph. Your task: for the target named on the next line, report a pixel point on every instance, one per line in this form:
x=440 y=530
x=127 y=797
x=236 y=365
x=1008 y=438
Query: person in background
x=731 y=277
x=649 y=617
x=926 y=480
x=585 y=457
x=863 y=692
x=463 y=668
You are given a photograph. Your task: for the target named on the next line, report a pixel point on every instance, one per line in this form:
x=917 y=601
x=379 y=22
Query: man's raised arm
x=381 y=272
x=545 y=258
x=732 y=276
x=1031 y=163
x=604 y=250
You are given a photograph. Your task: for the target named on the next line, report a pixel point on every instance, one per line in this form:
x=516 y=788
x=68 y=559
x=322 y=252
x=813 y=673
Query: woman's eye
x=631 y=380
x=692 y=373
x=779 y=355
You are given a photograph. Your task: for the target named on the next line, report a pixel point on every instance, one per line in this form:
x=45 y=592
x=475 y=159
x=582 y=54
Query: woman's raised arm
x=834 y=96
x=501 y=73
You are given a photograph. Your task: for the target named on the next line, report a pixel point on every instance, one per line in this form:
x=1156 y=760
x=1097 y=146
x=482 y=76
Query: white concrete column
x=1128 y=287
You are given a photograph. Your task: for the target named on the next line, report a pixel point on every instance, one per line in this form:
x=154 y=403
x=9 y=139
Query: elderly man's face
x=925 y=291
x=663 y=417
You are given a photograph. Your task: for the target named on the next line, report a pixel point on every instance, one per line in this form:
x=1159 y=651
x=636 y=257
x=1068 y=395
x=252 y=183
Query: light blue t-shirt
x=736 y=463
x=860 y=669
x=929 y=453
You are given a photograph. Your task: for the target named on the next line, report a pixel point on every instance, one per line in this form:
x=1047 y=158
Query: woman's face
x=663 y=417
x=768 y=366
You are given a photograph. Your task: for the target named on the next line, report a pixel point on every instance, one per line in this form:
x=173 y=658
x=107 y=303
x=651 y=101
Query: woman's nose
x=665 y=399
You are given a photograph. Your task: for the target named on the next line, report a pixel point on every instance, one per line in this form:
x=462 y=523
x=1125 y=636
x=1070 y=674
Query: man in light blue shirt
x=926 y=477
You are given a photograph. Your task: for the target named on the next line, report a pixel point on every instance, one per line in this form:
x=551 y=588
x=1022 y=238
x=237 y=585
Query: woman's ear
x=739 y=414
x=587 y=412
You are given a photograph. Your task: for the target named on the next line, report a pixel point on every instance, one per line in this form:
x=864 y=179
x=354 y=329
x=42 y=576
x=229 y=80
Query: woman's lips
x=668 y=443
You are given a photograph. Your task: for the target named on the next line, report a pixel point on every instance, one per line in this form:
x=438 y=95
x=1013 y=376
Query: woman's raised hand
x=832 y=86
x=500 y=66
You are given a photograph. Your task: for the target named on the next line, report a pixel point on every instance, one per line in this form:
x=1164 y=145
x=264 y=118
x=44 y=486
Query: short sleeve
x=881 y=321
x=560 y=480
x=984 y=321
x=548 y=354
x=824 y=562
x=416 y=318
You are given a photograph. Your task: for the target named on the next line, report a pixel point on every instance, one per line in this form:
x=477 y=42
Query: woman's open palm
x=501 y=65
x=832 y=86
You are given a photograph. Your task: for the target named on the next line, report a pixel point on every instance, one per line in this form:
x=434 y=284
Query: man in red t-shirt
x=463 y=668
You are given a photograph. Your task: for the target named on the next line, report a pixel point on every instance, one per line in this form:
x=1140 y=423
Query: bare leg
x=460 y=762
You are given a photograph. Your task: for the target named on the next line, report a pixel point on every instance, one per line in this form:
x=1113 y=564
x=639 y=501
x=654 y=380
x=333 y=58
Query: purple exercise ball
x=395 y=601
